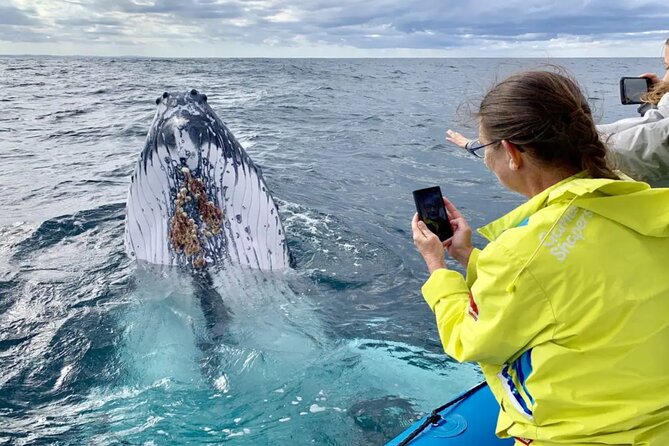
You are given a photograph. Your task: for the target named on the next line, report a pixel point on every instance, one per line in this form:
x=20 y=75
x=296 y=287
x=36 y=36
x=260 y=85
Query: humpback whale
x=196 y=198
x=221 y=343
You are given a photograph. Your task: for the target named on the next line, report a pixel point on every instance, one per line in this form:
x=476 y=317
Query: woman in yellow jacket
x=567 y=307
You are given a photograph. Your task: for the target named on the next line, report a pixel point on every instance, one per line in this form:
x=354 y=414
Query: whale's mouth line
x=196 y=218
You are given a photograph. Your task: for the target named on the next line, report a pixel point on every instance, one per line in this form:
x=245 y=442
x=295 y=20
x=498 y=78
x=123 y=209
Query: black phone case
x=437 y=223
x=623 y=95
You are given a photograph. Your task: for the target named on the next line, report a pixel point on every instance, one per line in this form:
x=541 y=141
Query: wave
x=54 y=230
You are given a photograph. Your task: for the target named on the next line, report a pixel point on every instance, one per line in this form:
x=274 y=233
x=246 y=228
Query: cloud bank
x=322 y=28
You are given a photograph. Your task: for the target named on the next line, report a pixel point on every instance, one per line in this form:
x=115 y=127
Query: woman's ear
x=513 y=154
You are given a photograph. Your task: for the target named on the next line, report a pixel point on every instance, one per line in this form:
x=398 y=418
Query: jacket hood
x=630 y=203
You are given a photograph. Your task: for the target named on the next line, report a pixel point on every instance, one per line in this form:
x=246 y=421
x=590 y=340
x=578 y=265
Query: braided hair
x=546 y=114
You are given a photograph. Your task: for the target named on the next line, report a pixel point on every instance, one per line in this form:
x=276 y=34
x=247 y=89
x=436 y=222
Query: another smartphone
x=430 y=207
x=632 y=88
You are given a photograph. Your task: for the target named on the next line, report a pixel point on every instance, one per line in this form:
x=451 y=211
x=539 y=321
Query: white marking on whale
x=196 y=198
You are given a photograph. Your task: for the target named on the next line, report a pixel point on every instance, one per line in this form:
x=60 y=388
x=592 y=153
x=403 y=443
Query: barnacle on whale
x=184 y=231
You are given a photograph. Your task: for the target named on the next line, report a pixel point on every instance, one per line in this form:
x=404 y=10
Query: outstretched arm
x=642 y=151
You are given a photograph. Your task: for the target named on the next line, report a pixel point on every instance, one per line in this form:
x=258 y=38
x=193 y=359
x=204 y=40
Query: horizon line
x=130 y=56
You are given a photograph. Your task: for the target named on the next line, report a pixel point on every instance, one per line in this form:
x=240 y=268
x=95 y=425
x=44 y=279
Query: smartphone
x=632 y=88
x=430 y=207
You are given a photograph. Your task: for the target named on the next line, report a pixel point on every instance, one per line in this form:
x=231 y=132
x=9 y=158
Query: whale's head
x=196 y=198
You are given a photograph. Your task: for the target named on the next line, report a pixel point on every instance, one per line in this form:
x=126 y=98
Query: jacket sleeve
x=497 y=318
x=471 y=267
x=621 y=125
x=642 y=150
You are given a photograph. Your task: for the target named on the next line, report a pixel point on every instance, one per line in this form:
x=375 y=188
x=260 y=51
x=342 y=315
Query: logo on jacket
x=567 y=233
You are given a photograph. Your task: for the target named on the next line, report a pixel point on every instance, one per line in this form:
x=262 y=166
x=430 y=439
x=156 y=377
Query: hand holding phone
x=431 y=210
x=632 y=88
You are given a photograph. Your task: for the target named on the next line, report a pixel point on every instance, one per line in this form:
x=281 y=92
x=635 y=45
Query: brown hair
x=656 y=93
x=658 y=90
x=546 y=114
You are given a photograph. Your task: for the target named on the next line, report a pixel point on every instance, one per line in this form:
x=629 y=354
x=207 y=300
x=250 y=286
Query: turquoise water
x=341 y=350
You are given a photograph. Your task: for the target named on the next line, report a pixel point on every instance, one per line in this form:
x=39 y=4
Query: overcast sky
x=335 y=28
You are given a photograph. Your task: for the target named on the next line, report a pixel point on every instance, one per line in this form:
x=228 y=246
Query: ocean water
x=340 y=351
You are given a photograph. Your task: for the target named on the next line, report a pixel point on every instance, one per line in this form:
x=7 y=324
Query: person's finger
x=418 y=227
x=458 y=223
x=423 y=229
x=414 y=227
x=654 y=78
x=453 y=212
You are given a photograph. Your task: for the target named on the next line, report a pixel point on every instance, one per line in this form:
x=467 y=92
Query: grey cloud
x=10 y=15
x=435 y=23
x=450 y=23
x=189 y=9
x=511 y=19
x=20 y=34
x=102 y=21
x=426 y=24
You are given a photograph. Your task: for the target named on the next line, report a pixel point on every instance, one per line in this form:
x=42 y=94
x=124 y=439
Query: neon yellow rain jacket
x=567 y=312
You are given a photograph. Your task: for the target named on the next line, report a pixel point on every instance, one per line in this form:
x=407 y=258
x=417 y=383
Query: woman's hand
x=428 y=245
x=460 y=245
x=654 y=78
x=456 y=138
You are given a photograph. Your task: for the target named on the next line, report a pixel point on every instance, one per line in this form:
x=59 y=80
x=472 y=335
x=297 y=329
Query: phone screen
x=632 y=88
x=430 y=208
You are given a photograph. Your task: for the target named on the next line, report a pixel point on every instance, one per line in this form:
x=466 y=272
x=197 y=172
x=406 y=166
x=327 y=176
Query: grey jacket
x=639 y=146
